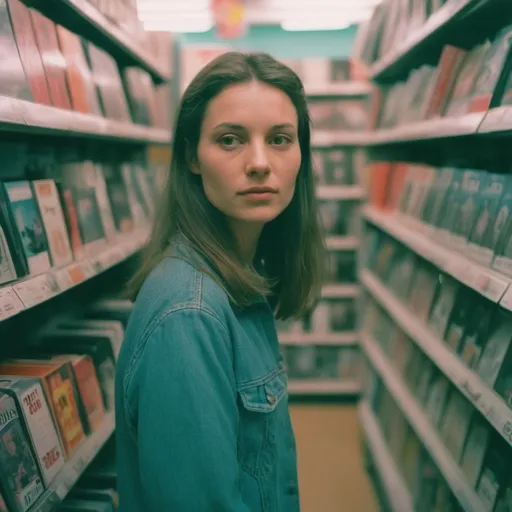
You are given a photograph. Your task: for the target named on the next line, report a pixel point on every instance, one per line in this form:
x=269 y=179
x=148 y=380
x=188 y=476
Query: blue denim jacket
x=201 y=402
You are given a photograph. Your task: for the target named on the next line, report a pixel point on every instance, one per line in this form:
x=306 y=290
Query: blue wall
x=283 y=44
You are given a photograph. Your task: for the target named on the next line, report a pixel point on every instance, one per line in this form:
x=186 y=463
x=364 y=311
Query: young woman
x=201 y=391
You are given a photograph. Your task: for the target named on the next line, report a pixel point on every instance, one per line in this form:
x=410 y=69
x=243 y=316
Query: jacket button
x=271 y=399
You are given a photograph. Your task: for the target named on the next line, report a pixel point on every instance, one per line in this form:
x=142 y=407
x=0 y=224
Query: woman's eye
x=281 y=140
x=230 y=141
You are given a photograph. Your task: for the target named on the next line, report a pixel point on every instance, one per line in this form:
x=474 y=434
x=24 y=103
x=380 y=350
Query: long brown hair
x=291 y=246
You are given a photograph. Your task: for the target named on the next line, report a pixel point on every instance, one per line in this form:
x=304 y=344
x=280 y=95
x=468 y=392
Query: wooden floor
x=332 y=477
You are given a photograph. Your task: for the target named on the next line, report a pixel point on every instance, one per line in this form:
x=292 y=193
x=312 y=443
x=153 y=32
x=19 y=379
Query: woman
x=202 y=411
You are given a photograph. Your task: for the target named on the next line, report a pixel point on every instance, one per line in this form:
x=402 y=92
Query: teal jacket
x=202 y=419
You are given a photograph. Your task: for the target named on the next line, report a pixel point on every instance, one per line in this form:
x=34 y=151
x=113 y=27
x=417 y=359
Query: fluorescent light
x=176 y=26
x=296 y=25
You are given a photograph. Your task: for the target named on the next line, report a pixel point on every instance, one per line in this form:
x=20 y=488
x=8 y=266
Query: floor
x=332 y=477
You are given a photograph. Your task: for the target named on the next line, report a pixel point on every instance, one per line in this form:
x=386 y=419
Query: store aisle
x=332 y=477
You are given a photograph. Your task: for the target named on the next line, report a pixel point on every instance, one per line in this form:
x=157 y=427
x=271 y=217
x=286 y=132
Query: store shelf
x=342 y=243
x=438 y=128
x=327 y=139
x=74 y=468
x=32 y=118
x=340 y=291
x=337 y=339
x=84 y=18
x=410 y=53
x=339 y=192
x=323 y=387
x=484 y=399
x=344 y=89
x=396 y=491
x=485 y=281
x=33 y=290
x=452 y=473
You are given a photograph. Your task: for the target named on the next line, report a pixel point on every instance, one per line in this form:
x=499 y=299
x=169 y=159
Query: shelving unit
x=302 y=343
x=33 y=119
x=76 y=202
x=453 y=475
x=484 y=280
x=34 y=290
x=396 y=491
x=434 y=302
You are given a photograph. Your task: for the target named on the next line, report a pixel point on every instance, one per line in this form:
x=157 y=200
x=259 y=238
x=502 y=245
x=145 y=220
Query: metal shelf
x=340 y=291
x=397 y=493
x=74 y=468
x=323 y=387
x=33 y=290
x=345 y=89
x=469 y=383
x=430 y=129
x=485 y=281
x=339 y=192
x=27 y=117
x=342 y=243
x=337 y=339
x=327 y=139
x=497 y=120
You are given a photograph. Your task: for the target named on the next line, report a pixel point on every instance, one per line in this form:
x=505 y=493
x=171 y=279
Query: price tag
x=36 y=290
x=77 y=273
x=87 y=268
x=491 y=287
x=10 y=303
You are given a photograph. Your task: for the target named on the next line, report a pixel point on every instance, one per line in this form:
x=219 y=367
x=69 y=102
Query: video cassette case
x=31 y=400
x=19 y=475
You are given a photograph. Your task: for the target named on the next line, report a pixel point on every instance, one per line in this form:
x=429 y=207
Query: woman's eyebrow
x=230 y=126
x=234 y=126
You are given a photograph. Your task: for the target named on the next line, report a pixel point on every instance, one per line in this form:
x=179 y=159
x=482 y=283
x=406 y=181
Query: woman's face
x=249 y=154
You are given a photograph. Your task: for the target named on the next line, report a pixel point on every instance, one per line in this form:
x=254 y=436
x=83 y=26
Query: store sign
x=229 y=17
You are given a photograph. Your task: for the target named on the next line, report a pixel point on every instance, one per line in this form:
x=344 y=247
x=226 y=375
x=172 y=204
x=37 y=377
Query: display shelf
x=410 y=53
x=452 y=473
x=485 y=281
x=74 y=468
x=483 y=398
x=497 y=120
x=31 y=118
x=342 y=243
x=323 y=387
x=438 y=128
x=84 y=18
x=345 y=89
x=337 y=339
x=33 y=290
x=340 y=291
x=397 y=494
x=327 y=139
x=339 y=192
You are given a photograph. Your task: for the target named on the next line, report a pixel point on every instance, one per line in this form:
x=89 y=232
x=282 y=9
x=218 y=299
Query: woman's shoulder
x=178 y=283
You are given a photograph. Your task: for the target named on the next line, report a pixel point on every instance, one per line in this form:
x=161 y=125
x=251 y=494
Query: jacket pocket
x=262 y=411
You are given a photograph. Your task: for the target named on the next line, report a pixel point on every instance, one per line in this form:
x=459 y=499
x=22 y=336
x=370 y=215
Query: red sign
x=229 y=17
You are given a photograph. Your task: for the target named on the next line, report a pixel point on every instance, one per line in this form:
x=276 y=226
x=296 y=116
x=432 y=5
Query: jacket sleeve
x=188 y=417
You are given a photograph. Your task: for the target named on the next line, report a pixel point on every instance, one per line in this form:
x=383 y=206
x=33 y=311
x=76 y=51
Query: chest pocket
x=263 y=409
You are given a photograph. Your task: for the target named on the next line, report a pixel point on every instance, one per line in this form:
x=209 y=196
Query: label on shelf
x=10 y=303
x=37 y=289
